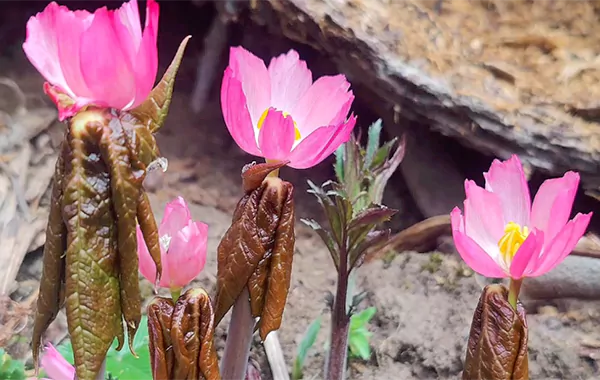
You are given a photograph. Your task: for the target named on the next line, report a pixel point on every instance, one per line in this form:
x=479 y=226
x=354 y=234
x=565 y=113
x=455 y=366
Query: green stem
x=175 y=293
x=513 y=291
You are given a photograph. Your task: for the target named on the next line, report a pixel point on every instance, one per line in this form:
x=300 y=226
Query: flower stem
x=513 y=292
x=340 y=324
x=175 y=293
x=239 y=339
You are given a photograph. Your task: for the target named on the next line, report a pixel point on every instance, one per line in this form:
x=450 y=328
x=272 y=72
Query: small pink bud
x=183 y=247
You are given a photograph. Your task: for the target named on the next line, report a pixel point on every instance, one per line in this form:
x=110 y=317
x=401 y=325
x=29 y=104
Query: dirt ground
x=424 y=301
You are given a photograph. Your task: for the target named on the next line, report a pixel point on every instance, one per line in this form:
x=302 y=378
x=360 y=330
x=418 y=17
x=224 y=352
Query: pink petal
x=128 y=17
x=484 y=222
x=276 y=137
x=321 y=104
x=563 y=243
x=177 y=216
x=321 y=143
x=147 y=266
x=472 y=254
x=236 y=114
x=527 y=254
x=146 y=60
x=41 y=45
x=254 y=77
x=552 y=204
x=290 y=79
x=55 y=366
x=187 y=254
x=98 y=43
x=70 y=28
x=507 y=180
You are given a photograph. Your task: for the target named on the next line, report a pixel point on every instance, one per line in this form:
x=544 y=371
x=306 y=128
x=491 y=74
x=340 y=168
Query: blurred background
x=463 y=81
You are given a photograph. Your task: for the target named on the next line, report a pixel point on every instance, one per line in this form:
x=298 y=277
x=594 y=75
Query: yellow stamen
x=261 y=121
x=514 y=236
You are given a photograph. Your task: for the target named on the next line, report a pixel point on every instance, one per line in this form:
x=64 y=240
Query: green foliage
x=11 y=369
x=307 y=342
x=358 y=339
x=122 y=364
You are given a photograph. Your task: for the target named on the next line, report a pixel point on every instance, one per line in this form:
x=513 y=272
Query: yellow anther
x=514 y=236
x=261 y=121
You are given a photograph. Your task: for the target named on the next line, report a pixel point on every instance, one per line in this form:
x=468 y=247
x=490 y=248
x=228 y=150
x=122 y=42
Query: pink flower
x=55 y=366
x=279 y=113
x=183 y=247
x=503 y=235
x=101 y=58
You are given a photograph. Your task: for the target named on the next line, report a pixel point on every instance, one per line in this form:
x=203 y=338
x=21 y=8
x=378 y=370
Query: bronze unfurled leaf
x=125 y=188
x=497 y=347
x=92 y=277
x=149 y=230
x=53 y=273
x=182 y=338
x=256 y=251
x=153 y=111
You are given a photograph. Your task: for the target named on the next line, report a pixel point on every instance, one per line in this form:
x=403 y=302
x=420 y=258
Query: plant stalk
x=239 y=339
x=513 y=292
x=340 y=324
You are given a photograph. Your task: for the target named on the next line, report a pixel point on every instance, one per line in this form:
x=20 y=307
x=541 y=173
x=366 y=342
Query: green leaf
x=373 y=142
x=359 y=320
x=307 y=342
x=11 y=369
x=122 y=364
x=339 y=162
x=327 y=239
x=359 y=346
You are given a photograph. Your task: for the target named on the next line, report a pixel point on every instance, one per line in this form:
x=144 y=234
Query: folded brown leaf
x=92 y=277
x=192 y=333
x=256 y=251
x=149 y=229
x=53 y=273
x=162 y=360
x=497 y=347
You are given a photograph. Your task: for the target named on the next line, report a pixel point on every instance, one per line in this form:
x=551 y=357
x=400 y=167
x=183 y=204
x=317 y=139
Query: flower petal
x=553 y=203
x=472 y=254
x=321 y=143
x=187 y=254
x=276 y=137
x=236 y=114
x=321 y=104
x=563 y=243
x=290 y=79
x=98 y=43
x=484 y=222
x=507 y=180
x=146 y=60
x=55 y=365
x=41 y=44
x=527 y=254
x=177 y=216
x=254 y=77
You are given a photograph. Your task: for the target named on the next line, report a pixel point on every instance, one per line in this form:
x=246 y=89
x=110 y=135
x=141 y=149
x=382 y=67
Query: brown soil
x=424 y=301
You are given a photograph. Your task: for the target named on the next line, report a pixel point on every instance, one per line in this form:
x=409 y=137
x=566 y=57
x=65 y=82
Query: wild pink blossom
x=55 y=366
x=279 y=113
x=102 y=58
x=183 y=247
x=503 y=235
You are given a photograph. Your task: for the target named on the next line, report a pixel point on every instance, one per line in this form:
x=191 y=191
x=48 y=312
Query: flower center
x=261 y=121
x=514 y=236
